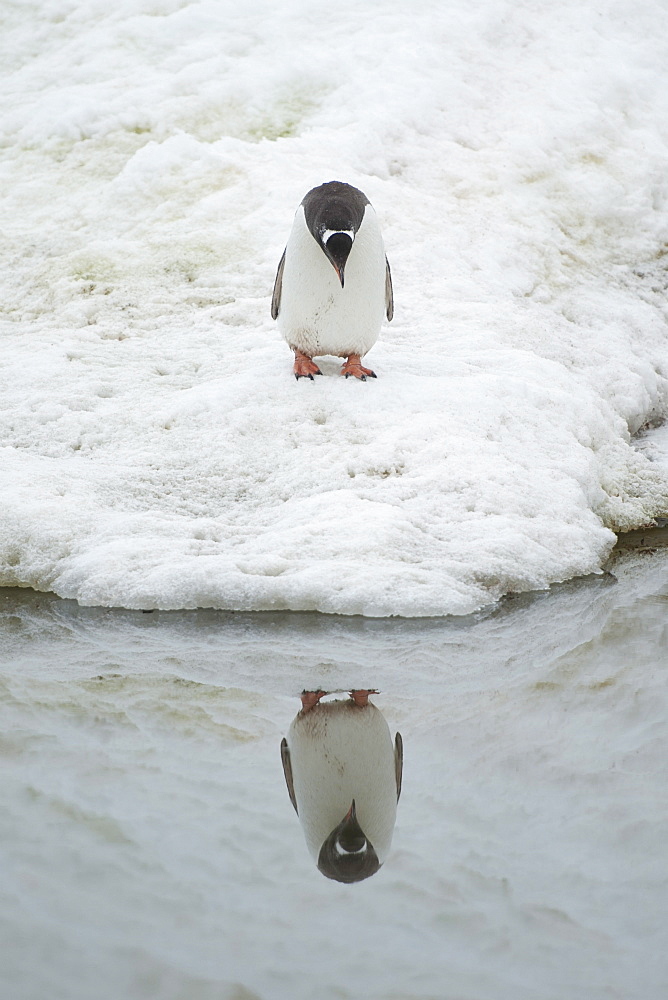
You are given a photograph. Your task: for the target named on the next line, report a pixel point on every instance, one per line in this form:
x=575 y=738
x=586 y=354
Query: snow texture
x=156 y=450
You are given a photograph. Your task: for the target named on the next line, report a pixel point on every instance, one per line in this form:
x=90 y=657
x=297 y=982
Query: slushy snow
x=157 y=451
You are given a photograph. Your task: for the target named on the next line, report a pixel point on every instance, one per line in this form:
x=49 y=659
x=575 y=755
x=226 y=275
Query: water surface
x=150 y=849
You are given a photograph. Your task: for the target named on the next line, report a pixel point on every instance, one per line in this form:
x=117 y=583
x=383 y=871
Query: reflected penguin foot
x=311 y=698
x=361 y=696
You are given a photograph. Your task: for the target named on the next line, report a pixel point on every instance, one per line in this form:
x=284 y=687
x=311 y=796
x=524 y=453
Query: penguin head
x=334 y=213
x=347 y=855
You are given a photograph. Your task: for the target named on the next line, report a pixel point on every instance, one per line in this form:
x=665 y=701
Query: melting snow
x=157 y=451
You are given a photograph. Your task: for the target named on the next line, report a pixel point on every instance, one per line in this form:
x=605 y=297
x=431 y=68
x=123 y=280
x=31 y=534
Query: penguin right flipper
x=278 y=288
x=398 y=762
x=389 y=294
x=287 y=771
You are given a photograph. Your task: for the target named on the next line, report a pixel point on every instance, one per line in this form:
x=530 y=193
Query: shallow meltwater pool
x=150 y=848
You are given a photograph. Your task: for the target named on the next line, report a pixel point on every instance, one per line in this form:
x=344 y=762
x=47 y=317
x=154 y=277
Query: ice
x=156 y=450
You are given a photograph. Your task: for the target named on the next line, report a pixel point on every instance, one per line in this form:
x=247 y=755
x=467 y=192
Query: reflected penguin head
x=347 y=855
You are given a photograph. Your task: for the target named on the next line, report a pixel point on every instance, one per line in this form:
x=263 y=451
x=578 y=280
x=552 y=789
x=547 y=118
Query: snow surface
x=157 y=451
x=653 y=444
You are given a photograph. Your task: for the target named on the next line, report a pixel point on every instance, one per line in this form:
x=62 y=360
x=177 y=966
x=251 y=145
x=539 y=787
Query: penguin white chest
x=318 y=316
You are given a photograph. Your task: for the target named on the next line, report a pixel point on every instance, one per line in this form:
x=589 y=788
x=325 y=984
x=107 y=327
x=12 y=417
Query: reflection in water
x=343 y=774
x=136 y=788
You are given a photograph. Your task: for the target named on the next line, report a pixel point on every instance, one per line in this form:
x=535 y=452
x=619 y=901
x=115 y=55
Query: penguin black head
x=347 y=855
x=334 y=212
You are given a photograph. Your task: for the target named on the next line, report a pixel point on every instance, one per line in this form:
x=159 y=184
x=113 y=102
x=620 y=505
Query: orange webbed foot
x=361 y=696
x=305 y=367
x=353 y=366
x=311 y=698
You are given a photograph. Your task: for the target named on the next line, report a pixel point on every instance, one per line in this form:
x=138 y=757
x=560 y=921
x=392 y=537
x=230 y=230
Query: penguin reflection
x=344 y=779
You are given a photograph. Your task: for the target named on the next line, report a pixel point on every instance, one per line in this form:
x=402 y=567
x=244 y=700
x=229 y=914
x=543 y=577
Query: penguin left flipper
x=287 y=771
x=278 y=288
x=398 y=762
x=389 y=294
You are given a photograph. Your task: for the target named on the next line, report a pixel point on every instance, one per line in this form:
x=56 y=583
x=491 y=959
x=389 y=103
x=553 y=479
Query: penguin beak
x=337 y=246
x=349 y=834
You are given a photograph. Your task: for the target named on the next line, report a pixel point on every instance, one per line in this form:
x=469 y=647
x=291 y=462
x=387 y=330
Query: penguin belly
x=318 y=316
x=340 y=752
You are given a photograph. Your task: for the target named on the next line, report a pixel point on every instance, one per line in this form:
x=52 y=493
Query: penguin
x=333 y=285
x=343 y=774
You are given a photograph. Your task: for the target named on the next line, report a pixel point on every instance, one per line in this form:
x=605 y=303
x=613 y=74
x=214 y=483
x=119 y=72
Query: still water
x=150 y=849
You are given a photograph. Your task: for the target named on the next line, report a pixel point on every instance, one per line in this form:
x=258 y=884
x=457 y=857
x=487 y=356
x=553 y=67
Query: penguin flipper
x=287 y=771
x=389 y=294
x=278 y=288
x=398 y=762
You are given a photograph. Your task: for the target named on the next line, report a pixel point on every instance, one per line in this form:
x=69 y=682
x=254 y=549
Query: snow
x=653 y=444
x=156 y=450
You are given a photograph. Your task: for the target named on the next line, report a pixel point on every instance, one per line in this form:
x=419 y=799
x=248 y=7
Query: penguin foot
x=305 y=367
x=311 y=698
x=361 y=696
x=353 y=366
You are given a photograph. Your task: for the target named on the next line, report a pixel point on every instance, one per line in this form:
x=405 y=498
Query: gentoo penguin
x=333 y=283
x=344 y=779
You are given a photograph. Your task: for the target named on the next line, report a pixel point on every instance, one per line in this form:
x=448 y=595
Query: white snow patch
x=157 y=451
x=653 y=444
